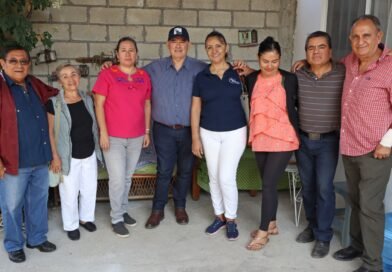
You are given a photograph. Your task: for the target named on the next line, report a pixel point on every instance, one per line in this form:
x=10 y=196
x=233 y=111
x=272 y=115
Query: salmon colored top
x=270 y=129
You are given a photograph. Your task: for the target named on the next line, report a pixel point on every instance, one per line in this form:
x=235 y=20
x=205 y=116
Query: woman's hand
x=55 y=164
x=146 y=140
x=197 y=148
x=107 y=64
x=298 y=65
x=242 y=68
x=104 y=141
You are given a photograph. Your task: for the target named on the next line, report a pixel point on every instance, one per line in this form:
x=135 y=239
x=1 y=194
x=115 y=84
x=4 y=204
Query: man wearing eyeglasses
x=24 y=154
x=320 y=83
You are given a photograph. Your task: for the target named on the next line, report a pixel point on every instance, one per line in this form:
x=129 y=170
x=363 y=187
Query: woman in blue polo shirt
x=219 y=131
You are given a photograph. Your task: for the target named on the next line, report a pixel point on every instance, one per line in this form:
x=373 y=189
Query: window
x=341 y=13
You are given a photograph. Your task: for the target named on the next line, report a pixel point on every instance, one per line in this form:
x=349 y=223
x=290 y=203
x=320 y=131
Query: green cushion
x=248 y=177
x=147 y=169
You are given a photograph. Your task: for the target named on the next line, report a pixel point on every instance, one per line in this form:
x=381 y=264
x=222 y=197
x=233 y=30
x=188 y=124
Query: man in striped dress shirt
x=320 y=83
x=366 y=140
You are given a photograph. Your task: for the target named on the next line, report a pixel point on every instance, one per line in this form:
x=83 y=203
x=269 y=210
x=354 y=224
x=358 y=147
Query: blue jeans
x=317 y=160
x=173 y=146
x=29 y=191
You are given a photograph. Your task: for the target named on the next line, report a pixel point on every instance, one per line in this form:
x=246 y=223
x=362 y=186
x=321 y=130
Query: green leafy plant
x=15 y=26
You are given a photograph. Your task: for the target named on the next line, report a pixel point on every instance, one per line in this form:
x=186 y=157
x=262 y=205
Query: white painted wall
x=311 y=16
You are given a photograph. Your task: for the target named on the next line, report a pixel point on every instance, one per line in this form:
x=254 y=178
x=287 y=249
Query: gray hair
x=372 y=18
x=66 y=65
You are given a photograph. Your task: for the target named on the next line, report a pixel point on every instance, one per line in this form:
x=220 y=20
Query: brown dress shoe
x=181 y=216
x=155 y=218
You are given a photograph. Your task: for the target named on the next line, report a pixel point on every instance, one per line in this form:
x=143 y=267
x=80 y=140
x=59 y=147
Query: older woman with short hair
x=75 y=150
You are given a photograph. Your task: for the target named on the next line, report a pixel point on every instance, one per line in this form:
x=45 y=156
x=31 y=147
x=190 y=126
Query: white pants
x=82 y=178
x=223 y=151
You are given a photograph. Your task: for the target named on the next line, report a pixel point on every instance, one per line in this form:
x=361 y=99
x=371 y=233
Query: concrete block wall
x=84 y=28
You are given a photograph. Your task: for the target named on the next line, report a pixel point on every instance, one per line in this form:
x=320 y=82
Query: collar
x=306 y=69
x=10 y=82
x=169 y=63
x=207 y=70
x=384 y=53
x=383 y=56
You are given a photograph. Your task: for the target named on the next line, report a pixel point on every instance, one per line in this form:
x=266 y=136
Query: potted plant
x=15 y=26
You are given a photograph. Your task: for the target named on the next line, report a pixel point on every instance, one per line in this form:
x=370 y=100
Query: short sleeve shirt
x=172 y=89
x=221 y=104
x=125 y=101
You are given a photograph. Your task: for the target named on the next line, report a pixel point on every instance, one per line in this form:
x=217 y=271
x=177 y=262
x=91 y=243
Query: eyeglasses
x=22 y=62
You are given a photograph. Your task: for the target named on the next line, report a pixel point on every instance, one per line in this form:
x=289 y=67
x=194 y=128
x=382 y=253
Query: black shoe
x=74 y=234
x=44 y=247
x=128 y=220
x=17 y=256
x=89 y=226
x=364 y=269
x=120 y=230
x=320 y=249
x=305 y=236
x=347 y=254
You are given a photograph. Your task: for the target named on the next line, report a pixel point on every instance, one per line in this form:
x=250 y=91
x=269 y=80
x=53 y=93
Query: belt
x=318 y=136
x=176 y=126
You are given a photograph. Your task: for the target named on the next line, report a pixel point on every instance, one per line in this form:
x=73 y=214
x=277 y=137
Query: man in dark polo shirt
x=320 y=89
x=24 y=155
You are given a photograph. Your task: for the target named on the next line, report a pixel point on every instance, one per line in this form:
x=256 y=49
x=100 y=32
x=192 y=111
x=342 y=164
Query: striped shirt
x=366 y=105
x=320 y=99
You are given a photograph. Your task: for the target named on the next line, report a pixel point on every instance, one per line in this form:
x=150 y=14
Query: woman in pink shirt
x=123 y=109
x=273 y=130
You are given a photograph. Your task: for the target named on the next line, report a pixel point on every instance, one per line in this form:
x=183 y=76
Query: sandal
x=257 y=243
x=271 y=231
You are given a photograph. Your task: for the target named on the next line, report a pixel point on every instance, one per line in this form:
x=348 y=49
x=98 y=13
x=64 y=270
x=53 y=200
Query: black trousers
x=271 y=166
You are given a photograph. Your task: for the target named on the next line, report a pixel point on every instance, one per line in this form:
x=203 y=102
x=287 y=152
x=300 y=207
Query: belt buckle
x=314 y=136
x=177 y=126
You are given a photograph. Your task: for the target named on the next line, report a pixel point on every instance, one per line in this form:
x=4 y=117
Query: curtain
x=388 y=32
x=340 y=16
x=382 y=9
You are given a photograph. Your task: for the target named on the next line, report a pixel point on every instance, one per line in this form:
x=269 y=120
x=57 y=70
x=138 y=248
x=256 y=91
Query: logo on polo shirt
x=234 y=81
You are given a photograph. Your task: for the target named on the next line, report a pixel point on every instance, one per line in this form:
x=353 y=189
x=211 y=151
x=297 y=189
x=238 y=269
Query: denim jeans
x=317 y=161
x=173 y=146
x=121 y=160
x=29 y=191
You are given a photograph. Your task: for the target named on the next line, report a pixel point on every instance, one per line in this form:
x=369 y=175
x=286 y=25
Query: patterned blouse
x=270 y=128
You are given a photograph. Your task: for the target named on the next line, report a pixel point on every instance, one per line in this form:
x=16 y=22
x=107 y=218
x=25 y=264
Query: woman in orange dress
x=273 y=131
